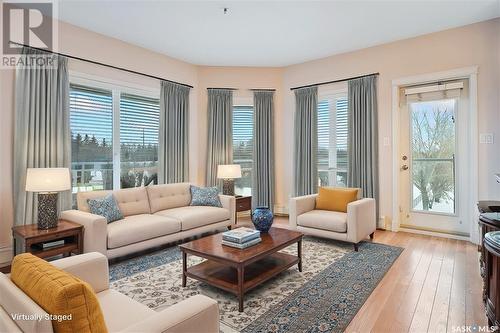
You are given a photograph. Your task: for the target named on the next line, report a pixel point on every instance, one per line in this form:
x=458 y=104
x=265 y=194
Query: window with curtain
x=96 y=123
x=332 y=140
x=242 y=147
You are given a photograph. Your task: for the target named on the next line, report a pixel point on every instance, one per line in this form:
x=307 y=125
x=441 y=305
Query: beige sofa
x=153 y=215
x=196 y=314
x=357 y=224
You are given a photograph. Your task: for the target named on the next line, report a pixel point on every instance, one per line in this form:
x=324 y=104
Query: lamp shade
x=228 y=171
x=48 y=180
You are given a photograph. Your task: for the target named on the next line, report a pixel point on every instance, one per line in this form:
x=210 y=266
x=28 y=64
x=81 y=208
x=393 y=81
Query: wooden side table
x=31 y=239
x=488 y=222
x=243 y=204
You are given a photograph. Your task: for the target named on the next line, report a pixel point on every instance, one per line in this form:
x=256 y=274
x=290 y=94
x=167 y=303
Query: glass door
x=433 y=158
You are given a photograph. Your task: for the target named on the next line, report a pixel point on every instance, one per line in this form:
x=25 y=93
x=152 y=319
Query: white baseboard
x=5 y=255
x=280 y=210
x=435 y=234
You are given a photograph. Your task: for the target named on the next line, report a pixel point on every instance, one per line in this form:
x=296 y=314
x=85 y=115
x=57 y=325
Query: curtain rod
x=258 y=89
x=101 y=64
x=334 y=81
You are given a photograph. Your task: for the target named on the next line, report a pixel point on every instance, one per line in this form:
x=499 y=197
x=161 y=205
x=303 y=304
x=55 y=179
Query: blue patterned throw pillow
x=107 y=207
x=205 y=196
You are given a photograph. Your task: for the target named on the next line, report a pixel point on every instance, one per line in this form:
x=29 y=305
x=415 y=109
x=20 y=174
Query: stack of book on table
x=241 y=238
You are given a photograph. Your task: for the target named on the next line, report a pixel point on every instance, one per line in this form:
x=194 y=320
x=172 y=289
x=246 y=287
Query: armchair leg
x=356 y=247
x=372 y=234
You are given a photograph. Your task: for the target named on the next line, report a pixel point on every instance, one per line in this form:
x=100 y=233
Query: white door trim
x=471 y=188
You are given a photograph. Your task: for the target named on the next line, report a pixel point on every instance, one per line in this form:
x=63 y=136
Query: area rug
x=334 y=284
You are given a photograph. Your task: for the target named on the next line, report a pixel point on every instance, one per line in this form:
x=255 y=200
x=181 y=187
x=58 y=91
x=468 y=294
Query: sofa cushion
x=121 y=311
x=82 y=199
x=335 y=199
x=324 y=219
x=133 y=201
x=58 y=293
x=196 y=216
x=13 y=300
x=107 y=207
x=138 y=228
x=205 y=196
x=167 y=196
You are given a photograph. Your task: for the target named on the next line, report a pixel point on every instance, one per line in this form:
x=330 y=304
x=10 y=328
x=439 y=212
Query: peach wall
x=86 y=44
x=475 y=44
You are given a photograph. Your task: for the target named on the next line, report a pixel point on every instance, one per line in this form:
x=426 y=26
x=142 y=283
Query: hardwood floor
x=434 y=286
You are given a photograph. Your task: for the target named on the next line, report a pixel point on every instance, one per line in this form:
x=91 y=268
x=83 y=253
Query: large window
x=242 y=147
x=114 y=138
x=332 y=140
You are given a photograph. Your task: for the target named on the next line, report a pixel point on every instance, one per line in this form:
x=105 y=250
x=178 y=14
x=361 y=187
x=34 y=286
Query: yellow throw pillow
x=335 y=199
x=71 y=301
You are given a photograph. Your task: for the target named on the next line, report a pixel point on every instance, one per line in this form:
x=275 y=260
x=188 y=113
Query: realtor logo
x=27 y=23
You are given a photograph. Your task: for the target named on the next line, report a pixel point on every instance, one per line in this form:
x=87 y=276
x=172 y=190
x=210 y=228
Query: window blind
x=341 y=133
x=139 y=120
x=91 y=113
x=323 y=134
x=243 y=147
x=332 y=141
x=243 y=136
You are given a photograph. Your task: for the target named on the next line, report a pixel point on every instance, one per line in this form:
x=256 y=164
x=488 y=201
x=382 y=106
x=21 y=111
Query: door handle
x=404 y=167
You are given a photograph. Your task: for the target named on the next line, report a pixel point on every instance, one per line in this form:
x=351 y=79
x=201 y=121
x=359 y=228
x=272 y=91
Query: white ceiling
x=268 y=33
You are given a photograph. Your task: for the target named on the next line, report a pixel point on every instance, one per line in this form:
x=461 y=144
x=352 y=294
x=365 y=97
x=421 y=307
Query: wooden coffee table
x=238 y=271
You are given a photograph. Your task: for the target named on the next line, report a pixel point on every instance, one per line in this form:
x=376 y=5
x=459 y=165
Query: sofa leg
x=356 y=247
x=372 y=234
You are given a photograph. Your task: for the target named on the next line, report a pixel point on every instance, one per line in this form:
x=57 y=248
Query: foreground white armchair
x=121 y=313
x=357 y=224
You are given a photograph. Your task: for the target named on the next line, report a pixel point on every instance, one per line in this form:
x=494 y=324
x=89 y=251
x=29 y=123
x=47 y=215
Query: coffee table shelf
x=237 y=271
x=226 y=277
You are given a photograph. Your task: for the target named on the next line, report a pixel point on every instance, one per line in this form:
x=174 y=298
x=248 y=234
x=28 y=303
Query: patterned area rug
x=334 y=284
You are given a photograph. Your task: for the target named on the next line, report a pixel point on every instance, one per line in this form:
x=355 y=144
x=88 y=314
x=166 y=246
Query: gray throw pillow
x=205 y=196
x=107 y=207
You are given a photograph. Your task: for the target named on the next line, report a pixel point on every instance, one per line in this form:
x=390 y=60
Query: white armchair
x=357 y=224
x=121 y=313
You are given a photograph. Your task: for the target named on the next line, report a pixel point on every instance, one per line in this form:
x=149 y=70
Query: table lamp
x=228 y=172
x=47 y=182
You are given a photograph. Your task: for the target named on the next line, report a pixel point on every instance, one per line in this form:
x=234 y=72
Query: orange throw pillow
x=71 y=301
x=335 y=198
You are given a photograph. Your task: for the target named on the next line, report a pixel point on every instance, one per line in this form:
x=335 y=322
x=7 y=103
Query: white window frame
x=117 y=88
x=332 y=95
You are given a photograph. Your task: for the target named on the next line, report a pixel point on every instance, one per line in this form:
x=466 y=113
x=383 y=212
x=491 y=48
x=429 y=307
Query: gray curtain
x=220 y=132
x=41 y=134
x=306 y=141
x=363 y=136
x=263 y=150
x=173 y=150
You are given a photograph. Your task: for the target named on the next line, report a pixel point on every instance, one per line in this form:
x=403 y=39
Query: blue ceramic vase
x=262 y=219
